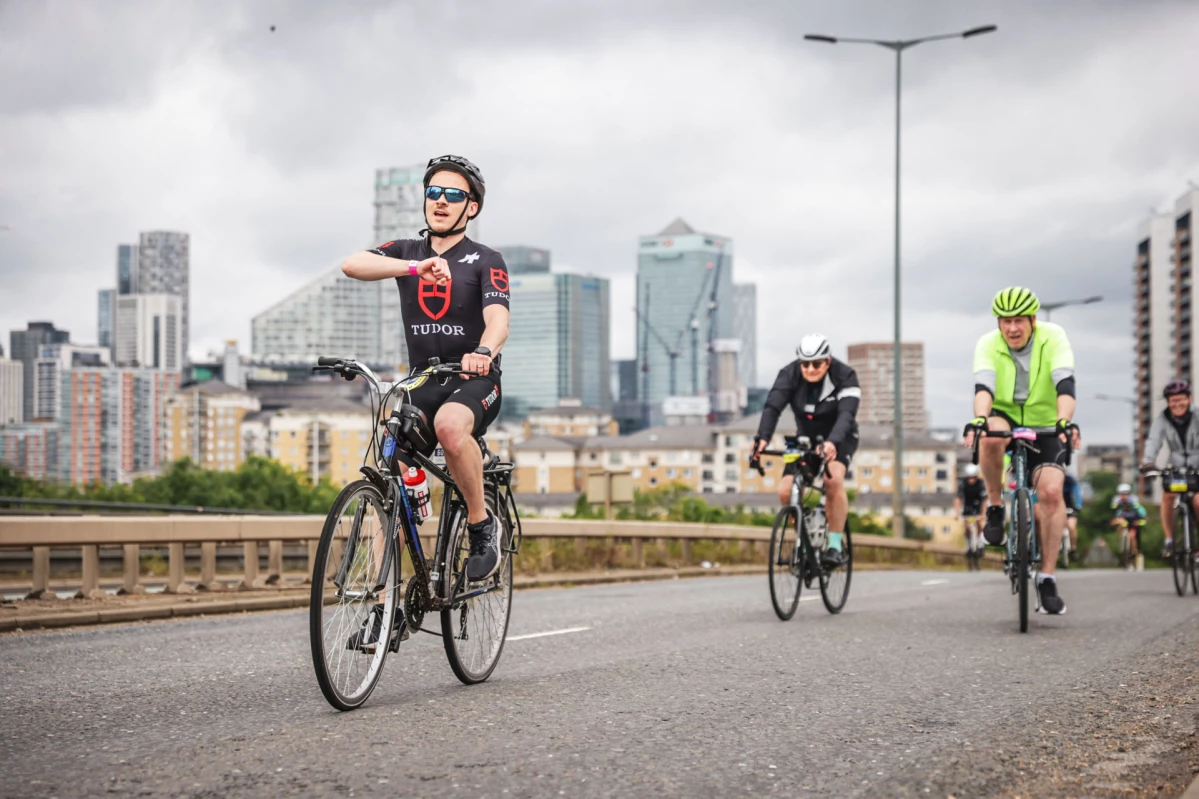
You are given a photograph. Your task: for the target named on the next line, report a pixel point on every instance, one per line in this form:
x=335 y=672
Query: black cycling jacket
x=828 y=409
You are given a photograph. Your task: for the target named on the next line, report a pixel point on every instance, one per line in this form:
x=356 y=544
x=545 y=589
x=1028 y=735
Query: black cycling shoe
x=1047 y=599
x=833 y=558
x=1168 y=550
x=367 y=637
x=1074 y=556
x=993 y=530
x=484 y=557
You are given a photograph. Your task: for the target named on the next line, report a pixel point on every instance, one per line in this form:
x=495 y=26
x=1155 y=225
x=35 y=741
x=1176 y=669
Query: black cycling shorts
x=845 y=455
x=1050 y=449
x=480 y=394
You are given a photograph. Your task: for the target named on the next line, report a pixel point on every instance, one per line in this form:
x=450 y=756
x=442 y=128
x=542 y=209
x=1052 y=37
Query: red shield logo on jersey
x=499 y=279
x=432 y=291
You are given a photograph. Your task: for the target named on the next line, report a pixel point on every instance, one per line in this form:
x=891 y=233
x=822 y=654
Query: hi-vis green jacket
x=1052 y=362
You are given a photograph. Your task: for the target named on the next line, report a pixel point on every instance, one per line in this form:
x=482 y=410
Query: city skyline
x=1023 y=163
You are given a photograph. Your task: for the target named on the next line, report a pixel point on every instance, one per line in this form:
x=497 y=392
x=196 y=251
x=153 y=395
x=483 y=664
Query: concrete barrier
x=39 y=534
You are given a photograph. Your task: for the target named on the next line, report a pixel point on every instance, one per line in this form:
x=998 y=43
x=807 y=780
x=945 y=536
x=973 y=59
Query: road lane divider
x=547 y=633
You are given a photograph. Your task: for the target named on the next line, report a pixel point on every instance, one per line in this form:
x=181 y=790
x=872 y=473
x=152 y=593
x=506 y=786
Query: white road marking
x=808 y=598
x=934 y=582
x=548 y=632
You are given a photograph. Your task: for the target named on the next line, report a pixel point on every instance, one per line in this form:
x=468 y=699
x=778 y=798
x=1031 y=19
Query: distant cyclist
x=1072 y=493
x=824 y=395
x=1178 y=428
x=1024 y=377
x=969 y=507
x=1128 y=510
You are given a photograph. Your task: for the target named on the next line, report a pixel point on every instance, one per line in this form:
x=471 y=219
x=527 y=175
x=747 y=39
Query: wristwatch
x=483 y=351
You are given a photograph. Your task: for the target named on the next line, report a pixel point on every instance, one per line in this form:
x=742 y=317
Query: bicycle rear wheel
x=834 y=583
x=1023 y=557
x=1065 y=547
x=785 y=563
x=1125 y=548
x=349 y=558
x=475 y=624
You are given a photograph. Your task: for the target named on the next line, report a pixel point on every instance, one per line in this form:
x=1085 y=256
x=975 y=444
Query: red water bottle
x=417 y=486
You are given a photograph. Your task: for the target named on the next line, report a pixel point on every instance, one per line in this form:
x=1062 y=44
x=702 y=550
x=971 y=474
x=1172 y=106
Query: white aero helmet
x=1124 y=488
x=813 y=347
x=971 y=470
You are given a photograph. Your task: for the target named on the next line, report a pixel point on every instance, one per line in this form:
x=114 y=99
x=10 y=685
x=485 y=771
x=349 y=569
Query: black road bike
x=800 y=534
x=357 y=580
x=1182 y=483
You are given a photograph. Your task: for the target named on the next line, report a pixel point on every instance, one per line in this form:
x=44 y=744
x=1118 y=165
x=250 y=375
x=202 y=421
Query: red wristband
x=412 y=268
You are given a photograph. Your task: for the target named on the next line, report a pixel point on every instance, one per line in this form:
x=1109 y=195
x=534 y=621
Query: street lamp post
x=898 y=46
x=1049 y=307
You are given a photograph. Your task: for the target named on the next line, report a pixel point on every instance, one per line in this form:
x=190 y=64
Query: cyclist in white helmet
x=824 y=395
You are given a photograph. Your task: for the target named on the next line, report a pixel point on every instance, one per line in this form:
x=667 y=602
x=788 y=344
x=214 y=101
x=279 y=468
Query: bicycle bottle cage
x=413 y=428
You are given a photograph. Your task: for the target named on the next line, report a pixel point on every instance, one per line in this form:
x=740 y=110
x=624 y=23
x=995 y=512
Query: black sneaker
x=833 y=558
x=484 y=557
x=367 y=637
x=994 y=531
x=1047 y=599
x=1168 y=550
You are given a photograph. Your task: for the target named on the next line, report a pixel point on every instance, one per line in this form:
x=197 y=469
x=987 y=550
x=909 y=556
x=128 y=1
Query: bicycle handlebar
x=981 y=432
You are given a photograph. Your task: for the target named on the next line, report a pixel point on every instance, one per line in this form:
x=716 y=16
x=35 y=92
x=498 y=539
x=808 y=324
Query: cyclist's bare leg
x=1072 y=527
x=454 y=424
x=1051 y=513
x=990 y=458
x=785 y=489
x=836 y=500
x=1168 y=502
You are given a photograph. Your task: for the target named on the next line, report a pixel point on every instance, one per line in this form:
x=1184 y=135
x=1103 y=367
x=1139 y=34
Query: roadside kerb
x=88 y=533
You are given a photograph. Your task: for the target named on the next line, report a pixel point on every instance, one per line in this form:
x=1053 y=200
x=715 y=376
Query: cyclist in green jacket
x=1024 y=377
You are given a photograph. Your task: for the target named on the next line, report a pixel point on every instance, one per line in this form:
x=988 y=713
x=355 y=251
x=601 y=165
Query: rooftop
x=661 y=437
x=547 y=444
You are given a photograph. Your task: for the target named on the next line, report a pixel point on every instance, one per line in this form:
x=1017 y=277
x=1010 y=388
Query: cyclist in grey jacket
x=1178 y=428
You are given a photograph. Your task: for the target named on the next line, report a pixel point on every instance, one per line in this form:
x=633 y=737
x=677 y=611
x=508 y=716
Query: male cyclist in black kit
x=454 y=301
x=824 y=395
x=969 y=506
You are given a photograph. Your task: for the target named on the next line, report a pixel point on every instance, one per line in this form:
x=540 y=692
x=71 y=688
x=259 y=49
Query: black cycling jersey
x=972 y=496
x=446 y=322
x=827 y=409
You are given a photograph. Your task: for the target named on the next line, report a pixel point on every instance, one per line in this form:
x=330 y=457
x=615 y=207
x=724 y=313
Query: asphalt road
x=922 y=687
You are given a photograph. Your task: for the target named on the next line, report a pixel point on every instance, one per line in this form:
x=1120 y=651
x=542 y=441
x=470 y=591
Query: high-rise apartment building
x=332 y=315
x=557 y=346
x=875 y=365
x=111 y=423
x=677 y=271
x=204 y=423
x=127 y=269
x=106 y=312
x=12 y=390
x=149 y=331
x=30 y=450
x=522 y=260
x=164 y=268
x=745 y=328
x=25 y=346
x=52 y=359
x=1165 y=326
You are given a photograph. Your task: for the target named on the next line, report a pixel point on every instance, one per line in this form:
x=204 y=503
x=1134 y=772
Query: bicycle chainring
x=414 y=605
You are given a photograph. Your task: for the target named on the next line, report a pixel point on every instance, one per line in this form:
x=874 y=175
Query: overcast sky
x=1030 y=155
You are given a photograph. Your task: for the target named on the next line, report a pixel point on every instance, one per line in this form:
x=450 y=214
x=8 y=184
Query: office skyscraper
x=558 y=344
x=745 y=328
x=25 y=346
x=677 y=270
x=164 y=268
x=105 y=316
x=148 y=331
x=522 y=260
x=127 y=269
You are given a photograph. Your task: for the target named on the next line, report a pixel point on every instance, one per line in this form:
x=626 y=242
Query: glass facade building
x=745 y=328
x=677 y=270
x=558 y=343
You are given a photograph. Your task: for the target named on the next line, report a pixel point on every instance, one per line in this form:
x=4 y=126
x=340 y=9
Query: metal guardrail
x=89 y=533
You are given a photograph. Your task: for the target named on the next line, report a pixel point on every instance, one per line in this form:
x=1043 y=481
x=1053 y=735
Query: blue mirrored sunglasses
x=451 y=195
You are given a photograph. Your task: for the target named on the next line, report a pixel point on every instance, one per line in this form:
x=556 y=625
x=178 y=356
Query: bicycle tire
x=329 y=638
x=1194 y=566
x=785 y=563
x=1126 y=548
x=1023 y=558
x=833 y=591
x=1181 y=567
x=488 y=613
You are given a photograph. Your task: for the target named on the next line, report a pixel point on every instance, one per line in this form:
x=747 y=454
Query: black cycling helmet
x=474 y=179
x=1176 y=387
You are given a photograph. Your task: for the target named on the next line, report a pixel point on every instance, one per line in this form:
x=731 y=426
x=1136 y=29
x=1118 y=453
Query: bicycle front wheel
x=1184 y=560
x=474 y=625
x=345 y=581
x=1023 y=556
x=785 y=564
x=834 y=583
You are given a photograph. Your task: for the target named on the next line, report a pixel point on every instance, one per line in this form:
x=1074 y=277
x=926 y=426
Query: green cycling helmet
x=1015 y=301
